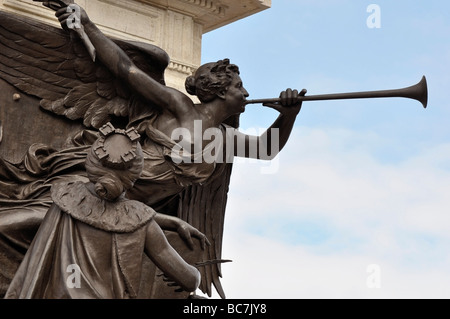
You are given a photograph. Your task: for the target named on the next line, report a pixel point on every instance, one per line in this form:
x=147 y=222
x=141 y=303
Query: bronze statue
x=84 y=80
x=94 y=228
x=124 y=86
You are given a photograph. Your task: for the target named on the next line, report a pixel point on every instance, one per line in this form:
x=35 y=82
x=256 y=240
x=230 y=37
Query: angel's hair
x=110 y=183
x=210 y=79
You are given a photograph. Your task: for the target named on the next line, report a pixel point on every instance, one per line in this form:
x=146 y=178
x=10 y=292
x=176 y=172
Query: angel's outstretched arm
x=272 y=141
x=118 y=62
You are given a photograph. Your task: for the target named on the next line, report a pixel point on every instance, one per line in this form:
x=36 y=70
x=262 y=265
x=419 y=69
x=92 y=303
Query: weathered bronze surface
x=59 y=88
x=94 y=231
x=66 y=97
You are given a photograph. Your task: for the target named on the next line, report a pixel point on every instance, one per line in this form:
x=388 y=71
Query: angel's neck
x=215 y=112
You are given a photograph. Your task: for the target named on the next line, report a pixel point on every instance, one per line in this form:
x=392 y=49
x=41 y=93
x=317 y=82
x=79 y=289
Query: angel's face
x=236 y=96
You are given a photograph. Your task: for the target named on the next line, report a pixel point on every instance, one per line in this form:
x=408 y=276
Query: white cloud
x=357 y=197
x=264 y=268
x=360 y=210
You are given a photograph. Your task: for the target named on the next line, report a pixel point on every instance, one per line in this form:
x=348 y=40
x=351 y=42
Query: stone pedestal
x=176 y=26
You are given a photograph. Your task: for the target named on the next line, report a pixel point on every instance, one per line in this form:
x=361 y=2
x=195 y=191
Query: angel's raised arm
x=118 y=62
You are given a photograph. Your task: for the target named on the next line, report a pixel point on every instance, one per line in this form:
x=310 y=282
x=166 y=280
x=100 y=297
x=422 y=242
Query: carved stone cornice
x=213 y=6
x=181 y=67
x=213 y=14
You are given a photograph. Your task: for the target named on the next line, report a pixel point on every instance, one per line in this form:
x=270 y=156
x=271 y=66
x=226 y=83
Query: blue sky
x=361 y=182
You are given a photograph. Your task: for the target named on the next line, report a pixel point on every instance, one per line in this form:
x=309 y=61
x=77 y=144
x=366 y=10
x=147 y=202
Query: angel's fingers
x=61 y=11
x=173 y=284
x=202 y=243
x=167 y=280
x=63 y=17
x=290 y=94
x=203 y=239
x=186 y=236
x=189 y=241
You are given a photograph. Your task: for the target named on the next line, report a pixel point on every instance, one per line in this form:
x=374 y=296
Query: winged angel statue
x=81 y=86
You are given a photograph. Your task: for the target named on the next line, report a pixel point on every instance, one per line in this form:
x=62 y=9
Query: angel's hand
x=72 y=17
x=184 y=229
x=171 y=283
x=187 y=231
x=289 y=102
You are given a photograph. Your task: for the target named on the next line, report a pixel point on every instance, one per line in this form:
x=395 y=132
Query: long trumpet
x=417 y=92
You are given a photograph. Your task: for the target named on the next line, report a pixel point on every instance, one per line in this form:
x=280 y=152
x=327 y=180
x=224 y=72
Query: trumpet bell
x=419 y=92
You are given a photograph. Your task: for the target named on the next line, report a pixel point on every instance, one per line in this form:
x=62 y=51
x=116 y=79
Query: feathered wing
x=54 y=66
x=203 y=206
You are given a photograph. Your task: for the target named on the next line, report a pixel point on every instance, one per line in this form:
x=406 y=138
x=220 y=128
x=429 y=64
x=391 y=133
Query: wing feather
x=54 y=66
x=101 y=112
x=203 y=206
x=209 y=218
x=82 y=105
x=37 y=38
